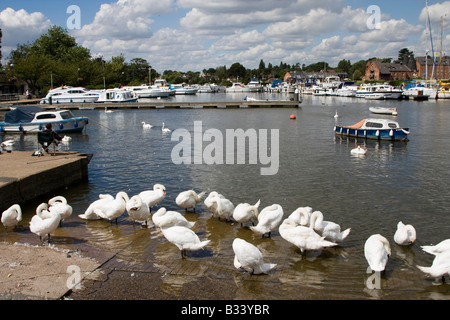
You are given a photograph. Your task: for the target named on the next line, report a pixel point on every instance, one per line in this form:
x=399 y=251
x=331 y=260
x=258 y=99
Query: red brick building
x=424 y=66
x=377 y=70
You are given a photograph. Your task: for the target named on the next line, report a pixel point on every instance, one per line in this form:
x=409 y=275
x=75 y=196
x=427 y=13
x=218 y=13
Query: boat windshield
x=67 y=115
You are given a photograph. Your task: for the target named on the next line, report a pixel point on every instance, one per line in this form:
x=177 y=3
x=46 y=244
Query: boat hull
x=398 y=134
x=60 y=126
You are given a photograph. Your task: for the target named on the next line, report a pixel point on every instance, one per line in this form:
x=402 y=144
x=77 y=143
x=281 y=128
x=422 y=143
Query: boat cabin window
x=67 y=115
x=46 y=116
x=392 y=125
x=374 y=125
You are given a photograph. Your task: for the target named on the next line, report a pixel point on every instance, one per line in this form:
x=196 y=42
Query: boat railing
x=9 y=97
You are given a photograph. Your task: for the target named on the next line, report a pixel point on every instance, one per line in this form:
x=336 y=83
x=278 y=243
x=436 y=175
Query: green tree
x=237 y=70
x=344 y=66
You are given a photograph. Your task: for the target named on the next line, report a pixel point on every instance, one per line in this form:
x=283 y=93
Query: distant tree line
x=55 y=59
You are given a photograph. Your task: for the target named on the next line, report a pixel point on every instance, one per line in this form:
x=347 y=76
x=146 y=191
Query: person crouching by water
x=56 y=137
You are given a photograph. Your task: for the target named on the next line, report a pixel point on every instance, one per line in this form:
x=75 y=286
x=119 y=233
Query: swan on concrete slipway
x=44 y=222
x=303 y=237
x=170 y=218
x=189 y=199
x=330 y=230
x=106 y=208
x=12 y=216
x=153 y=197
x=138 y=210
x=249 y=257
x=377 y=252
x=405 y=234
x=268 y=219
x=184 y=238
x=59 y=205
x=246 y=213
x=224 y=207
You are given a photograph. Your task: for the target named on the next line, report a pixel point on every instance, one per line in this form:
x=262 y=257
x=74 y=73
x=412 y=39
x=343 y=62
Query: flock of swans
x=303 y=228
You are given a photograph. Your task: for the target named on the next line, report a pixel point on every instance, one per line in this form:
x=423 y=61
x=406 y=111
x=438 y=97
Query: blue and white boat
x=379 y=129
x=32 y=119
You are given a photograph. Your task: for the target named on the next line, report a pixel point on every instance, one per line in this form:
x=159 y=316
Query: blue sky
x=196 y=34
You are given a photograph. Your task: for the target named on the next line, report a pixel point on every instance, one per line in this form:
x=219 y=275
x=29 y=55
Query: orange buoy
x=293 y=116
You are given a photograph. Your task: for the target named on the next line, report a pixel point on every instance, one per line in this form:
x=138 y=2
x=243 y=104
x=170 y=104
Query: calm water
x=401 y=181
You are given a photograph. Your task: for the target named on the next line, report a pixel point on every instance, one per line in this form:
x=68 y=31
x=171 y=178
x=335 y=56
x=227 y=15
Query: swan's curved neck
x=316 y=219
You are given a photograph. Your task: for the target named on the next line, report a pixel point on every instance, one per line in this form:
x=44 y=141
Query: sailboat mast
x=440 y=59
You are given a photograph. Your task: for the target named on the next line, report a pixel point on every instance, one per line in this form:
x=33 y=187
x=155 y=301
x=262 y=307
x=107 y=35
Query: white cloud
x=20 y=27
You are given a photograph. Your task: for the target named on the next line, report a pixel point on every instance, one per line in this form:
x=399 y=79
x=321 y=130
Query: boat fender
x=75 y=124
x=1 y=129
x=40 y=127
x=365 y=133
x=61 y=126
x=377 y=133
x=391 y=133
x=20 y=128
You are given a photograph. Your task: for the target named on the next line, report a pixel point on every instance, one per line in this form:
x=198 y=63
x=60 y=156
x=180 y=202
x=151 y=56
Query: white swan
x=59 y=205
x=146 y=125
x=12 y=216
x=440 y=266
x=224 y=207
x=170 y=218
x=244 y=213
x=330 y=230
x=66 y=140
x=377 y=252
x=137 y=209
x=441 y=247
x=302 y=237
x=108 y=111
x=106 y=208
x=336 y=115
x=210 y=204
x=249 y=258
x=164 y=129
x=184 y=238
x=189 y=199
x=268 y=219
x=405 y=234
x=301 y=215
x=42 y=224
x=153 y=197
x=358 y=151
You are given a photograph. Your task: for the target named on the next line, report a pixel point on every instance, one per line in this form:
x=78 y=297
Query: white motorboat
x=70 y=95
x=182 y=89
x=240 y=87
x=207 y=88
x=117 y=95
x=347 y=91
x=381 y=110
x=378 y=92
x=149 y=91
x=32 y=119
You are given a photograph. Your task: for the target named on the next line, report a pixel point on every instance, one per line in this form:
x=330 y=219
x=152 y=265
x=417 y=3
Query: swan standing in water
x=146 y=125
x=405 y=234
x=244 y=213
x=330 y=230
x=224 y=207
x=106 y=208
x=189 y=199
x=170 y=218
x=164 y=129
x=184 y=238
x=210 y=204
x=12 y=216
x=377 y=252
x=44 y=222
x=303 y=237
x=301 y=216
x=138 y=210
x=441 y=247
x=249 y=258
x=59 y=205
x=268 y=219
x=439 y=268
x=153 y=197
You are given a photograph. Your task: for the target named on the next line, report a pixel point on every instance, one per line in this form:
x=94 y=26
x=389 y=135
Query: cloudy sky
x=192 y=35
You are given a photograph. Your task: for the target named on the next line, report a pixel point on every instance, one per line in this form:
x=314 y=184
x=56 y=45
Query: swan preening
x=170 y=219
x=329 y=230
x=12 y=216
x=153 y=197
x=246 y=213
x=106 y=207
x=44 y=222
x=249 y=258
x=268 y=220
x=138 y=210
x=405 y=234
x=189 y=199
x=221 y=206
x=377 y=251
x=441 y=263
x=59 y=205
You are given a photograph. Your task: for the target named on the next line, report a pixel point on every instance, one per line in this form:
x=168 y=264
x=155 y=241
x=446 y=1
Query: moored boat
x=32 y=119
x=381 y=110
x=117 y=95
x=70 y=95
x=379 y=129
